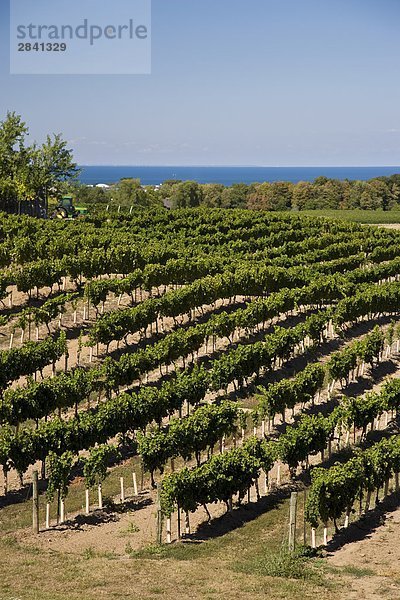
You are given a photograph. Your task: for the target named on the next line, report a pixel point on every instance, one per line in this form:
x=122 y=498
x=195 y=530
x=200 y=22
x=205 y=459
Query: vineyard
x=184 y=366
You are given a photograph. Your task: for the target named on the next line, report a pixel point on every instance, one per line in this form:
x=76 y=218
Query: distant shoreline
x=92 y=174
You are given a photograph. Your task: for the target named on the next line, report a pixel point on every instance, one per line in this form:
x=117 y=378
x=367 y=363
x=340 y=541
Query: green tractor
x=67 y=210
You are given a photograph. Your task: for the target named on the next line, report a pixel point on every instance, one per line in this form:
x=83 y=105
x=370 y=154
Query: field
x=172 y=377
x=370 y=217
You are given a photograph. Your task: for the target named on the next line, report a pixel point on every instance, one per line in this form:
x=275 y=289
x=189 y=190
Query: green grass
x=357 y=571
x=357 y=216
x=17 y=516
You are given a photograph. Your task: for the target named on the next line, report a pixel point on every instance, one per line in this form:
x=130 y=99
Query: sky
x=232 y=82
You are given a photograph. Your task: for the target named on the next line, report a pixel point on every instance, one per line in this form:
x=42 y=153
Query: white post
x=313 y=538
x=325 y=536
x=48 y=515
x=62 y=510
x=278 y=475
x=135 y=489
x=11 y=340
x=22 y=336
x=100 y=496
x=263 y=428
x=91 y=355
x=169 y=530
x=87 y=501
x=74 y=317
x=347 y=519
x=122 y=489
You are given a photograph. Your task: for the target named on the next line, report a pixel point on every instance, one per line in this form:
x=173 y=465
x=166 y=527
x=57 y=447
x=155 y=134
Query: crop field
x=199 y=403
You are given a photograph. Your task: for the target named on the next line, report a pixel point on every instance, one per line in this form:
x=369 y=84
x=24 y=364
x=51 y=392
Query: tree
x=30 y=171
x=303 y=196
x=212 y=194
x=49 y=166
x=235 y=196
x=130 y=192
x=187 y=195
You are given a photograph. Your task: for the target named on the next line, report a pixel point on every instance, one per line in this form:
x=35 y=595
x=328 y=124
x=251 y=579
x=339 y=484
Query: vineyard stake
x=135 y=488
x=187 y=523
x=179 y=521
x=87 y=501
x=168 y=530
x=159 y=516
x=347 y=518
x=99 y=490
x=122 y=489
x=292 y=521
x=313 y=538
x=278 y=476
x=35 y=501
x=48 y=515
x=62 y=510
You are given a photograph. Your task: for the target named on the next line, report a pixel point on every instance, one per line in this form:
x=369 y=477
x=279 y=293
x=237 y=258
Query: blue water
x=229 y=175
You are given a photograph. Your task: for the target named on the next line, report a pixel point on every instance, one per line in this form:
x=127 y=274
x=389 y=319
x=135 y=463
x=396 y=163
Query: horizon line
x=218 y=166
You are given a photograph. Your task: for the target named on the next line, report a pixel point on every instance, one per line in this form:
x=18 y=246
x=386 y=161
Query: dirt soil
x=370 y=552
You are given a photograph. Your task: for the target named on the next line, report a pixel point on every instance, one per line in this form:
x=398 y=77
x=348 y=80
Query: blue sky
x=233 y=82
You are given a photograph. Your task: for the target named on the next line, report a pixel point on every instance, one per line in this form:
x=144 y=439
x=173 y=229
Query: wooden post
x=159 y=515
x=122 y=489
x=179 y=522
x=292 y=521
x=386 y=489
x=266 y=483
x=187 y=524
x=87 y=501
x=100 y=496
x=135 y=490
x=35 y=501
